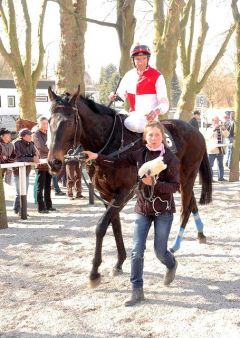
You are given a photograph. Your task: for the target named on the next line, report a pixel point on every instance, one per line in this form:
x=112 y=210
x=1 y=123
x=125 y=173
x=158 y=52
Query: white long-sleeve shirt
x=146 y=92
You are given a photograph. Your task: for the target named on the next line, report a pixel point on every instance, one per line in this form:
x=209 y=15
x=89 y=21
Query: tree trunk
x=187 y=101
x=126 y=23
x=27 y=98
x=166 y=36
x=71 y=66
x=234 y=169
x=3 y=213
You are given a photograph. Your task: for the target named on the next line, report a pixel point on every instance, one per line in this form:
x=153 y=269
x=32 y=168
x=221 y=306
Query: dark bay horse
x=98 y=128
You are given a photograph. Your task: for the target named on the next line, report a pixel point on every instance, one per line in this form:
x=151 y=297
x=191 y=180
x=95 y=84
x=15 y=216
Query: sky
x=101 y=43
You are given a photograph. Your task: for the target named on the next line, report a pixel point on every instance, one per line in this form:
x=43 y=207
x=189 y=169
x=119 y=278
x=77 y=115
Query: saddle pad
x=170 y=141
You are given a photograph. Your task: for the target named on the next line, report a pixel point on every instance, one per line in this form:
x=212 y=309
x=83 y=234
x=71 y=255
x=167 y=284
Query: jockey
x=145 y=89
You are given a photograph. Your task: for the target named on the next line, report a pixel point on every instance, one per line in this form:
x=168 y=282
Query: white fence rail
x=22 y=182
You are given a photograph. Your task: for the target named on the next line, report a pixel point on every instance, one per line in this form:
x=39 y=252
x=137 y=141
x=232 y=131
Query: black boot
x=136 y=297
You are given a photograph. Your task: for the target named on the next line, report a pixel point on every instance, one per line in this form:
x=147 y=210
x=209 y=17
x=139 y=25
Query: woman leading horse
x=99 y=129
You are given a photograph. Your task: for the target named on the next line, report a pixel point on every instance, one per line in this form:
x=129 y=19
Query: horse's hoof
x=95 y=280
x=116 y=272
x=202 y=239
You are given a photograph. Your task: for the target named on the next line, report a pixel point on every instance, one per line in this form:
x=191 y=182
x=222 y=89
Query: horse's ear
x=74 y=97
x=51 y=94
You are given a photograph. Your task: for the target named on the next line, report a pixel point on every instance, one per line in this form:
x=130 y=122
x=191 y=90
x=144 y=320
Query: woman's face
x=154 y=137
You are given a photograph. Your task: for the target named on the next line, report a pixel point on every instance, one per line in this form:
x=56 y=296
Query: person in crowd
x=230 y=127
x=216 y=137
x=44 y=201
x=25 y=152
x=58 y=191
x=153 y=206
x=74 y=177
x=196 y=116
x=7 y=153
x=144 y=88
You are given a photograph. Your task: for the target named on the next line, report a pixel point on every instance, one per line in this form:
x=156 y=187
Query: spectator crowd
x=31 y=146
x=219 y=139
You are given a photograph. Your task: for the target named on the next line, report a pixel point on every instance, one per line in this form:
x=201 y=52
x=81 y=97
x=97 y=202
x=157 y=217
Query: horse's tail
x=206 y=180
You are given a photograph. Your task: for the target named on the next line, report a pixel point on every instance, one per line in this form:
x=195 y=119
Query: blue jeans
x=162 y=227
x=55 y=183
x=16 y=204
x=229 y=152
x=219 y=158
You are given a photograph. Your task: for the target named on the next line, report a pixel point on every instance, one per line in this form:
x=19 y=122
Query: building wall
x=9 y=101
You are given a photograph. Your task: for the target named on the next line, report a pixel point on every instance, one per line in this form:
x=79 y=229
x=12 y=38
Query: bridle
x=77 y=121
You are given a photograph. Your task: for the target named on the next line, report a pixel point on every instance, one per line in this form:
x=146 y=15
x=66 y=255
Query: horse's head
x=62 y=127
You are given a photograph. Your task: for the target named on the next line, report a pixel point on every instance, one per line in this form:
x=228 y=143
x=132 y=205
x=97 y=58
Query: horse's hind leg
x=187 y=198
x=117 y=230
x=198 y=222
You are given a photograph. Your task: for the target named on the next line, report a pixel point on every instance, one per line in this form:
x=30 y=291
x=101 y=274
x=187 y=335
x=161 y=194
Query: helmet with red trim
x=140 y=50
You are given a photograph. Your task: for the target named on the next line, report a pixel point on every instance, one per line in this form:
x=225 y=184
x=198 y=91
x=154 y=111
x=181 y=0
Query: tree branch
x=7 y=56
x=13 y=39
x=97 y=22
x=36 y=73
x=185 y=14
x=158 y=19
x=235 y=10
x=217 y=58
x=3 y=17
x=185 y=55
x=190 y=42
x=28 y=41
x=201 y=39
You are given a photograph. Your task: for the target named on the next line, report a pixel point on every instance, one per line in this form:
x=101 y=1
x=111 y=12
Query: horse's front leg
x=101 y=229
x=117 y=231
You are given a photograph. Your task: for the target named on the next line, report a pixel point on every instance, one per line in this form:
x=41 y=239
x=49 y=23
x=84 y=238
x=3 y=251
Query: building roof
x=43 y=84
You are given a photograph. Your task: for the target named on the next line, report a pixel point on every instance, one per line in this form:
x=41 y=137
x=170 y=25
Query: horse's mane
x=97 y=107
x=94 y=106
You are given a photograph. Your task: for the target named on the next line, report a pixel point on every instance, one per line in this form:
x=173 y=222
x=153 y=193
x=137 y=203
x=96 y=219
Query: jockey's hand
x=153 y=114
x=112 y=96
x=91 y=155
x=147 y=179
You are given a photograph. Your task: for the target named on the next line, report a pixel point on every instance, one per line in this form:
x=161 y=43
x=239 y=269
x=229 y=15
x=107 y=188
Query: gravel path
x=45 y=263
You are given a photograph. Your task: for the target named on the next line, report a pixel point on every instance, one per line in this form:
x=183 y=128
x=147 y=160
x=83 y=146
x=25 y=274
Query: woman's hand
x=91 y=155
x=147 y=180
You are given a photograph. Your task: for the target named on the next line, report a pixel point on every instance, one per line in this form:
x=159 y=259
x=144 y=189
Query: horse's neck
x=95 y=128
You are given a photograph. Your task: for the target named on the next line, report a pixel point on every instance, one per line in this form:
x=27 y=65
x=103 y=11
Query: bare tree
x=234 y=170
x=214 y=85
x=191 y=62
x=25 y=70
